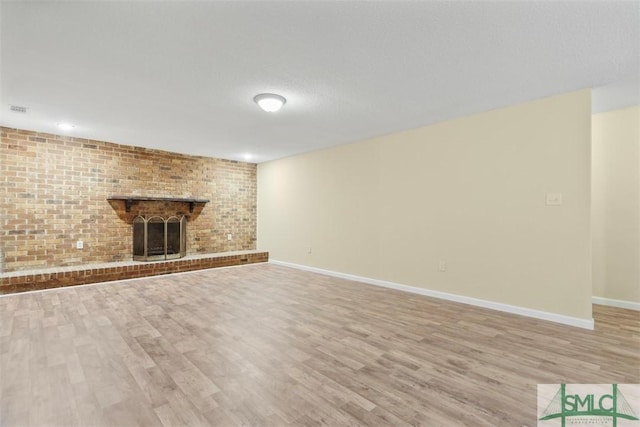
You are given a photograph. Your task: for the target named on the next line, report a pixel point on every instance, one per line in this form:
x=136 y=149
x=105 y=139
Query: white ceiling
x=181 y=76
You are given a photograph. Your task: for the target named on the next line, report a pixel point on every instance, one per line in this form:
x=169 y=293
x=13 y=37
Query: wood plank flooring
x=265 y=345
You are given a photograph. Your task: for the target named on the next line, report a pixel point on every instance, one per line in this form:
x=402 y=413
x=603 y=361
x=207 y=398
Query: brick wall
x=54 y=190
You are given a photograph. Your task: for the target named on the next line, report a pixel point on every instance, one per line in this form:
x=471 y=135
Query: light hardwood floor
x=267 y=345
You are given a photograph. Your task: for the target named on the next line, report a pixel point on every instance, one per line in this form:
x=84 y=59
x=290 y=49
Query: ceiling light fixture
x=270 y=102
x=66 y=126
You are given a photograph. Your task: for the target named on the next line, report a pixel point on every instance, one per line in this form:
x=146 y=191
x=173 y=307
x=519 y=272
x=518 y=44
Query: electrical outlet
x=442 y=266
x=79 y=244
x=229 y=236
x=309 y=250
x=554 y=199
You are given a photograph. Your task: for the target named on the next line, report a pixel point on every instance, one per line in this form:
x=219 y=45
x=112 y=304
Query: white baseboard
x=630 y=305
x=537 y=314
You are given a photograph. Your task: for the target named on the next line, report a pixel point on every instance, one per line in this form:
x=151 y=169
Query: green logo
x=588 y=405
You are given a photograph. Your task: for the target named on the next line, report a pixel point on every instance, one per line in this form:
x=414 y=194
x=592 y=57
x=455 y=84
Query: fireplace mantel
x=129 y=200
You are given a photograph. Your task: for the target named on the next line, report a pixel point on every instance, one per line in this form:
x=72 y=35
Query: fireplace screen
x=156 y=238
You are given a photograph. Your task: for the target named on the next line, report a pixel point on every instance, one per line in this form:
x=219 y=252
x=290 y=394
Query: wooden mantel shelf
x=129 y=200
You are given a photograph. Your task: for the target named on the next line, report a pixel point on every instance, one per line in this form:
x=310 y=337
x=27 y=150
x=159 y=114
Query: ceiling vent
x=18 y=109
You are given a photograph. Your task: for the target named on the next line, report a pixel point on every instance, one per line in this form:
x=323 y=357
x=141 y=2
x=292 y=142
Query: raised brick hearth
x=21 y=281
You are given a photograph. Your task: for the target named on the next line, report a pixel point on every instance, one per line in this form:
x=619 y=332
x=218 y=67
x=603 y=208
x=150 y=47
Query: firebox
x=156 y=238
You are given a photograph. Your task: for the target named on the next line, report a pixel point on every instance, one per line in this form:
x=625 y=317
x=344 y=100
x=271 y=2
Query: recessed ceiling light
x=247 y=156
x=66 y=126
x=270 y=102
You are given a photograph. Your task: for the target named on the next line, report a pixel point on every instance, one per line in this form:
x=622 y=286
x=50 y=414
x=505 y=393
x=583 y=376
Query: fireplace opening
x=156 y=238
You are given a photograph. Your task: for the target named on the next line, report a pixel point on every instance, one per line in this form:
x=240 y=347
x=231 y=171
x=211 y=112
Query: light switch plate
x=554 y=199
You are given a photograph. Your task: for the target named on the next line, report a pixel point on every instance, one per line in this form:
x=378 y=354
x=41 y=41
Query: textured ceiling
x=181 y=76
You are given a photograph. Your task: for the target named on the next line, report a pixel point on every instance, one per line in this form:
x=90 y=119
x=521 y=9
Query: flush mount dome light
x=270 y=102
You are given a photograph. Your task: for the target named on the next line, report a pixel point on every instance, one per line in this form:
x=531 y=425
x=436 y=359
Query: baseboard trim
x=618 y=303
x=522 y=311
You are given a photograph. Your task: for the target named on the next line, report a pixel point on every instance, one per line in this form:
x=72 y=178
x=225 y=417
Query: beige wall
x=616 y=204
x=469 y=191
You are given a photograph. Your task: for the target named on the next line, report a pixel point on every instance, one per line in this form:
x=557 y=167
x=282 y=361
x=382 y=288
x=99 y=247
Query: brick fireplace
x=55 y=193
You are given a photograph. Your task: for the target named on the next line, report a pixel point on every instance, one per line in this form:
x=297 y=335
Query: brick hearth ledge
x=31 y=280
